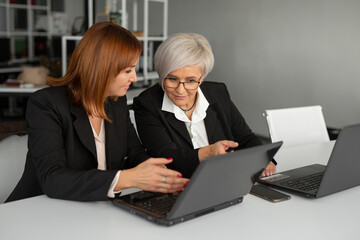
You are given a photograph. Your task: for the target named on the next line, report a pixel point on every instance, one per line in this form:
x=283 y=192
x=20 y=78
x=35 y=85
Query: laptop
x=218 y=182
x=314 y=181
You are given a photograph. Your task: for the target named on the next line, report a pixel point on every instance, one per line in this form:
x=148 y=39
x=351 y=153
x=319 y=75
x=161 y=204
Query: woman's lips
x=180 y=97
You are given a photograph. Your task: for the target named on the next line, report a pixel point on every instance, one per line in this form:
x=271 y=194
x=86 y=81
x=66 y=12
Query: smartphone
x=268 y=193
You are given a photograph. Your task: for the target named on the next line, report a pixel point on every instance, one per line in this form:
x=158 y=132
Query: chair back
x=296 y=126
x=13 y=150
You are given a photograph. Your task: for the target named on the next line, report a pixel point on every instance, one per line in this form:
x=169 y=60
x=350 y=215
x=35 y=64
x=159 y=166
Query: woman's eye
x=192 y=81
x=128 y=71
x=172 y=79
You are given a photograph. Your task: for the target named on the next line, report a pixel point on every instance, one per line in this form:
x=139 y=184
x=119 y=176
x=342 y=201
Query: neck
x=187 y=111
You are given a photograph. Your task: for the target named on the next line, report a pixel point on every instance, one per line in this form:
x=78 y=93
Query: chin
x=118 y=94
x=123 y=91
x=180 y=102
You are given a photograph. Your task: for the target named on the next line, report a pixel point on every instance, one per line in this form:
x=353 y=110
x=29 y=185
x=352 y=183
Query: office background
x=281 y=53
x=274 y=53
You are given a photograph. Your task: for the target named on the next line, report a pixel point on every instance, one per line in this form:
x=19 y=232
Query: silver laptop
x=342 y=171
x=217 y=183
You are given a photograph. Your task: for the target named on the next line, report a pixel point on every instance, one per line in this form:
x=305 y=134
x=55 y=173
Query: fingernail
x=178 y=191
x=179 y=175
x=169 y=159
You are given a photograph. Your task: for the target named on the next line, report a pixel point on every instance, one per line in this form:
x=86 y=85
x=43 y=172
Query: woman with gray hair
x=185 y=117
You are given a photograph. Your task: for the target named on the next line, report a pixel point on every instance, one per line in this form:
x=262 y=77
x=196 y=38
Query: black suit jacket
x=62 y=161
x=165 y=136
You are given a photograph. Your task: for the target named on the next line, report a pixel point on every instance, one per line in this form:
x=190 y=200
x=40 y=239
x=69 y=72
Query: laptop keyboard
x=306 y=184
x=160 y=205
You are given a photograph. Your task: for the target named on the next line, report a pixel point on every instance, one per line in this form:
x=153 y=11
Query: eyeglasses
x=173 y=82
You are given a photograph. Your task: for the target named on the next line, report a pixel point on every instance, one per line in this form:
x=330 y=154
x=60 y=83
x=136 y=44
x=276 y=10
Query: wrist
x=124 y=180
x=204 y=152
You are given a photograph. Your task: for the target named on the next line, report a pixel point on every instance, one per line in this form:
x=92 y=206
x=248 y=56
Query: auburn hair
x=104 y=51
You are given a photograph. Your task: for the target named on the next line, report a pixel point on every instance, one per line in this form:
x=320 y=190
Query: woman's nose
x=133 y=78
x=181 y=87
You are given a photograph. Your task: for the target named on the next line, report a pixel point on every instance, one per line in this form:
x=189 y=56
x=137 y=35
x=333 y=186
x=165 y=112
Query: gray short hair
x=181 y=50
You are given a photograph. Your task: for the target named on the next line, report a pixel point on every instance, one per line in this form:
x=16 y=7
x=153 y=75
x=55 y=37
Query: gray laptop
x=217 y=183
x=342 y=171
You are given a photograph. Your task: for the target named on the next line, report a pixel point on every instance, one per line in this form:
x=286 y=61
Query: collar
x=199 y=112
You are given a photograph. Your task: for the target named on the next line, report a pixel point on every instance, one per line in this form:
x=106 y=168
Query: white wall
x=281 y=53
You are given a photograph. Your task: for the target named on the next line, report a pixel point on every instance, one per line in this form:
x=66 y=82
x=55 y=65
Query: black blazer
x=165 y=136
x=62 y=161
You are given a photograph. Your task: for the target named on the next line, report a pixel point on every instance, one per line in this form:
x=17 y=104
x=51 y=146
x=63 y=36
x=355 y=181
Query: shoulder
x=213 y=87
x=214 y=90
x=47 y=105
x=153 y=95
x=50 y=91
x=50 y=94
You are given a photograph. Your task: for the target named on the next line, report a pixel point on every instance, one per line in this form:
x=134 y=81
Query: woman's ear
x=201 y=81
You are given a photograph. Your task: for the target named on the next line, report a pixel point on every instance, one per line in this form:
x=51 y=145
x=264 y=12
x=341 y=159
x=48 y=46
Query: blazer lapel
x=210 y=123
x=83 y=128
x=179 y=126
x=115 y=136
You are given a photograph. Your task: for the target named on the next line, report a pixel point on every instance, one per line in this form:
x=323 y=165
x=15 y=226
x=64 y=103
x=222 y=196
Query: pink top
x=101 y=156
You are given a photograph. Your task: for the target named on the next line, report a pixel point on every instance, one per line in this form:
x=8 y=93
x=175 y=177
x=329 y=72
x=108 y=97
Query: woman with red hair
x=82 y=144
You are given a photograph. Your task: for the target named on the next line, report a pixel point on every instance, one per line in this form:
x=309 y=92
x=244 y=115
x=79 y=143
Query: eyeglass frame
x=183 y=83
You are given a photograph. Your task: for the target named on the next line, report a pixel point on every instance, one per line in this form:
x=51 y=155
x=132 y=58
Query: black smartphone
x=268 y=193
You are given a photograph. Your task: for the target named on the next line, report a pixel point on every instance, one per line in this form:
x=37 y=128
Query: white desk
x=17 y=90
x=331 y=217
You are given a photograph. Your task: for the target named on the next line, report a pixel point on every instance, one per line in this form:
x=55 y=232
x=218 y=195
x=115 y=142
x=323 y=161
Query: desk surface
x=331 y=217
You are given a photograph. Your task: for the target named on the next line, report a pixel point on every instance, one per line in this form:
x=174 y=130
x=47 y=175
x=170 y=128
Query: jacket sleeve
x=49 y=156
x=155 y=134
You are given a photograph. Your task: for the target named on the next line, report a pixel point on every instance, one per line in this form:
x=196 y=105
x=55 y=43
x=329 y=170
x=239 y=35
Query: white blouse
x=195 y=126
x=101 y=156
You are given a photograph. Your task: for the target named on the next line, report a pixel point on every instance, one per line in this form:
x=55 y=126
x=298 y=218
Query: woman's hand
x=269 y=170
x=217 y=148
x=151 y=175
